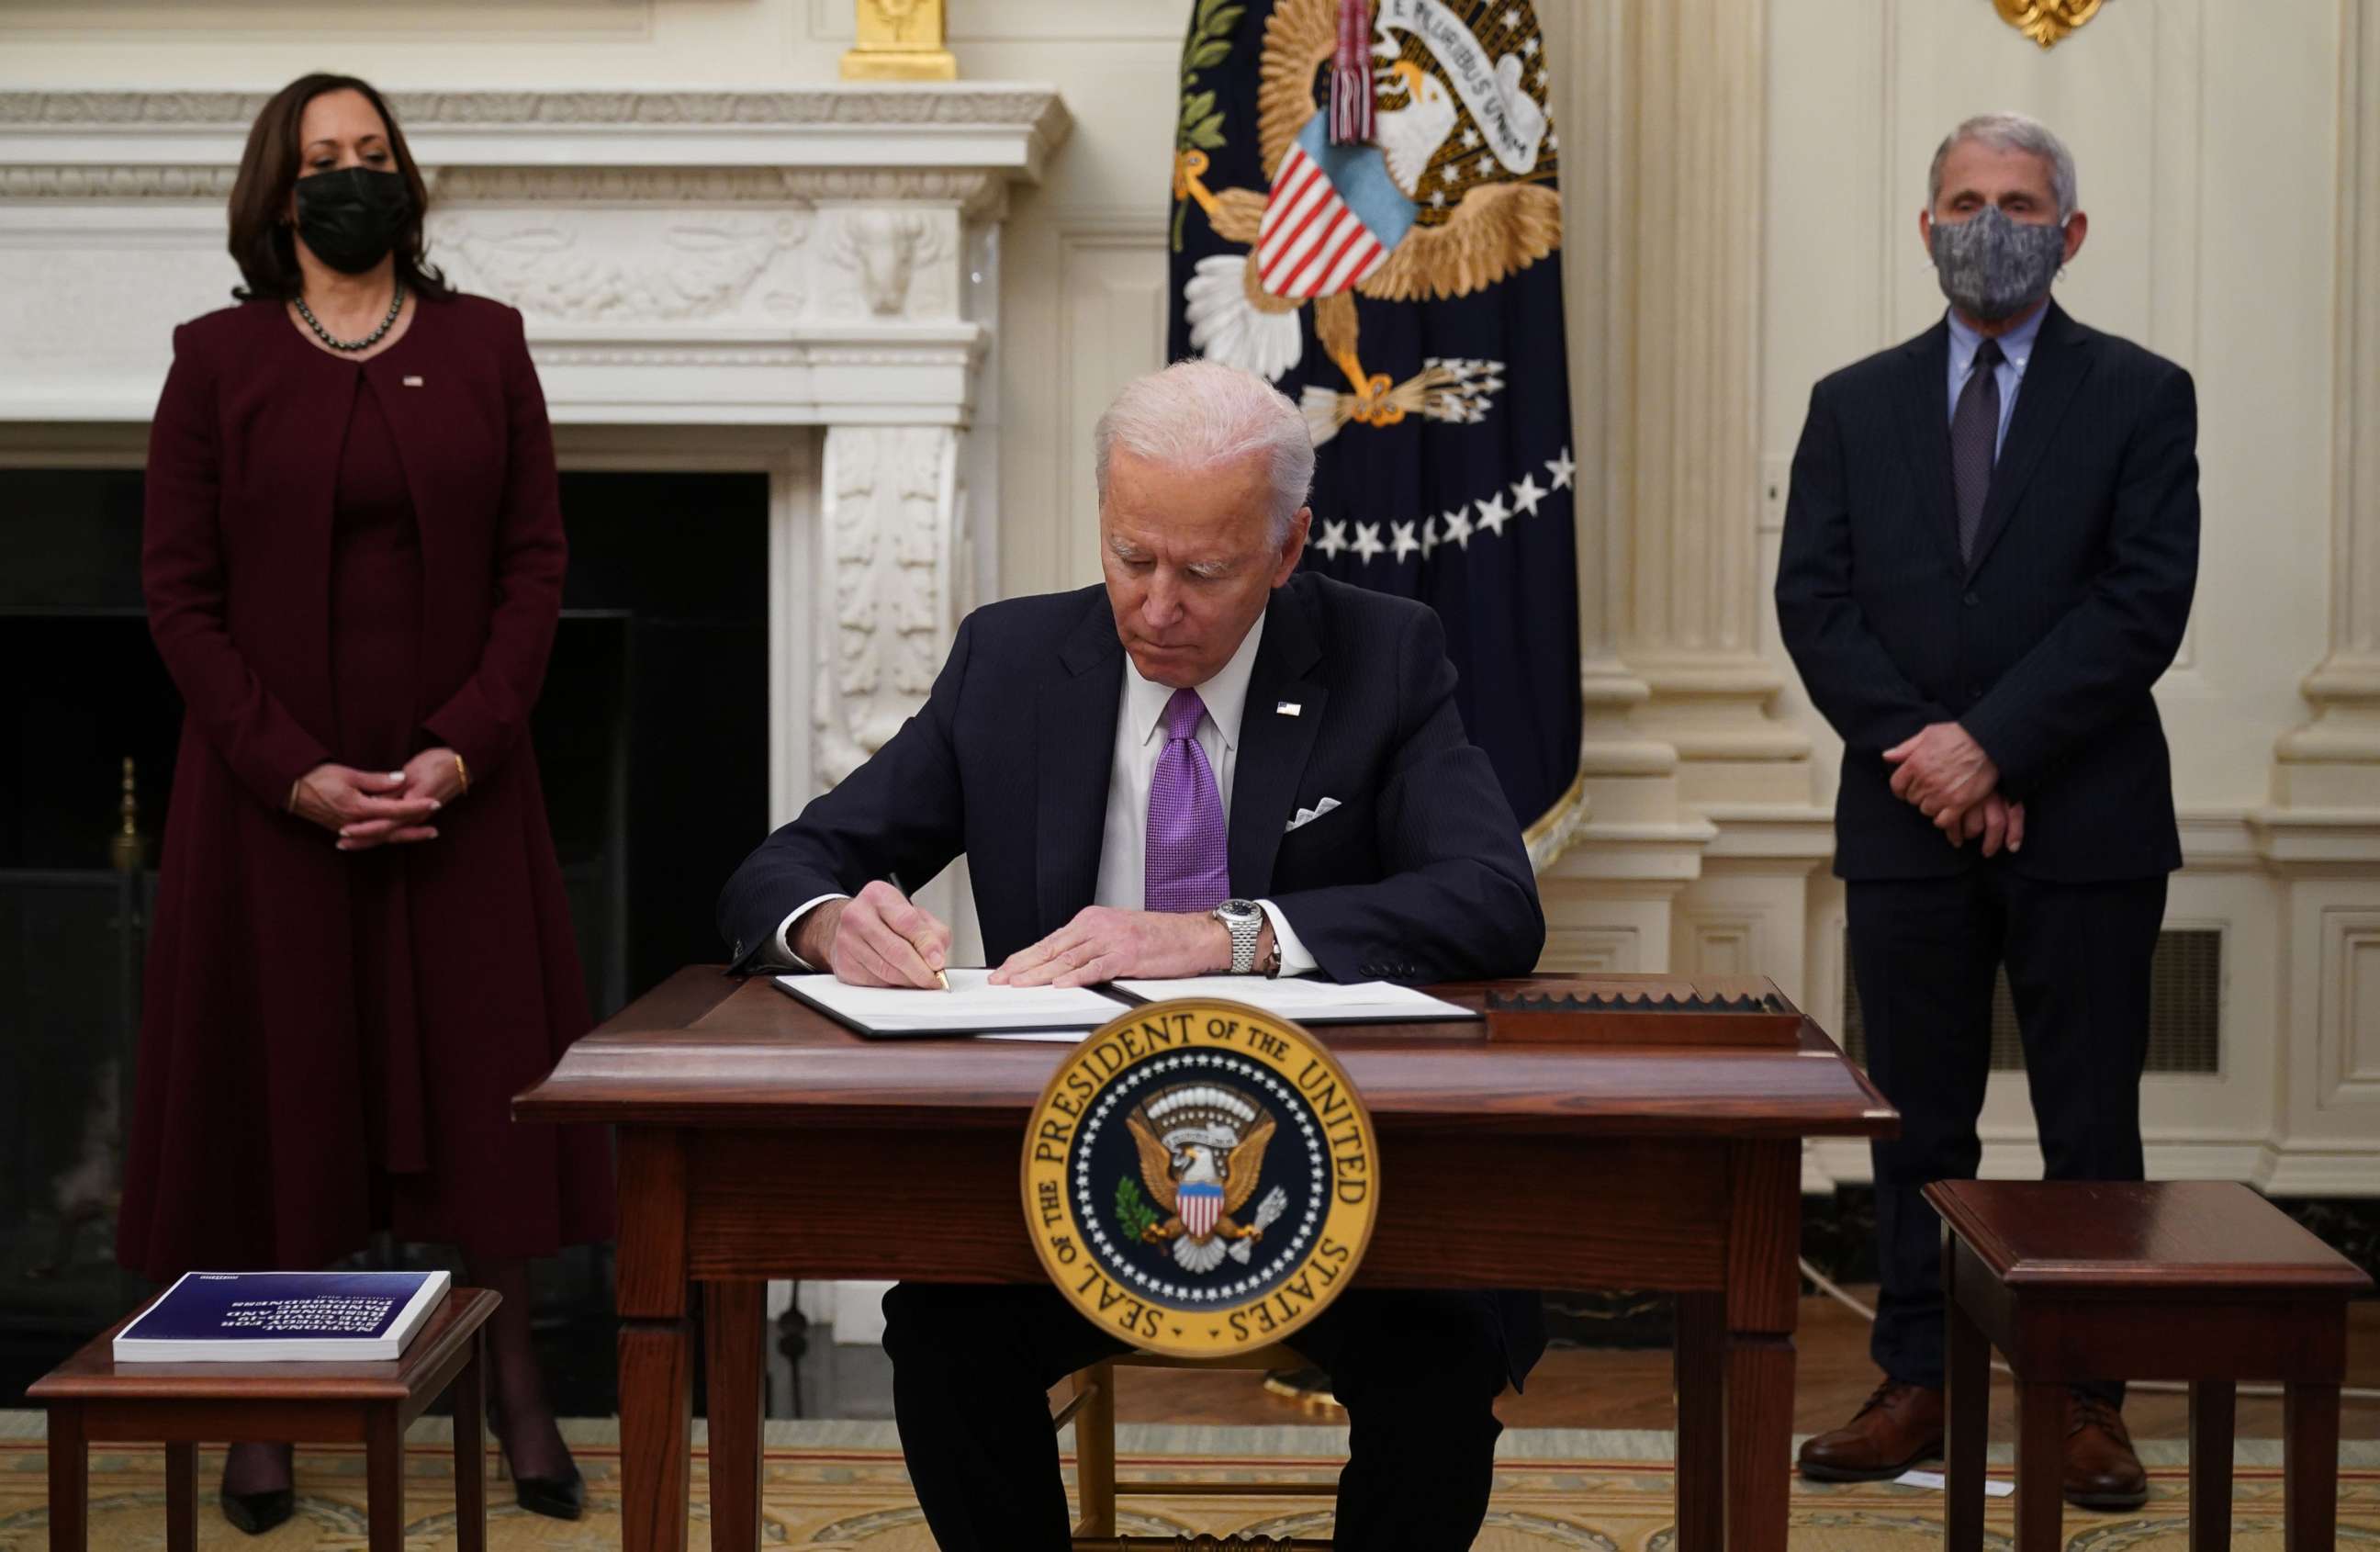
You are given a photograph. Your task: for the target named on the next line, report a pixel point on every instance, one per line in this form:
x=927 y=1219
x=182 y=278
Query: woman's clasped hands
x=369 y=808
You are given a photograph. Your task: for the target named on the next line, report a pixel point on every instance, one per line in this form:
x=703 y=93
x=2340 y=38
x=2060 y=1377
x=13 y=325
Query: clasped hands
x=1947 y=777
x=369 y=808
x=878 y=937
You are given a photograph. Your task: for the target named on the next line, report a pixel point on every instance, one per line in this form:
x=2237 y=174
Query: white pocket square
x=1307 y=815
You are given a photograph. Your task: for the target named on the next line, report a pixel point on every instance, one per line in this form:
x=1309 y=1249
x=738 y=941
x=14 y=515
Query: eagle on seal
x=1201 y=1155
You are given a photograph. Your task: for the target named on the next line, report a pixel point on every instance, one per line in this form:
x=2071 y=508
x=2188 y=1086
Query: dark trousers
x=972 y=1367
x=1923 y=952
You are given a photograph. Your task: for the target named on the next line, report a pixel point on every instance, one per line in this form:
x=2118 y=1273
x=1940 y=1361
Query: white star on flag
x=1530 y=48
x=1402 y=541
x=1437 y=199
x=1525 y=496
x=1429 y=541
x=1367 y=542
x=1562 y=470
x=1492 y=514
x=1470 y=136
x=1458 y=528
x=1450 y=173
x=1512 y=20
x=1333 y=539
x=1552 y=141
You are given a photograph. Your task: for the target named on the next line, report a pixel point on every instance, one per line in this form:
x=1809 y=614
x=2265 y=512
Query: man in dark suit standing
x=1989 y=552
x=1209 y=764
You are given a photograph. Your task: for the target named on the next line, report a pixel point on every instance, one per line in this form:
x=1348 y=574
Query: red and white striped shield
x=1310 y=243
x=1200 y=1206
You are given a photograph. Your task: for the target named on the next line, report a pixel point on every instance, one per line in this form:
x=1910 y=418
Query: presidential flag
x=1395 y=273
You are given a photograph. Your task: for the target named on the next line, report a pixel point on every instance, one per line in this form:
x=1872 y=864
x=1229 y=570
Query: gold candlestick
x=899 y=40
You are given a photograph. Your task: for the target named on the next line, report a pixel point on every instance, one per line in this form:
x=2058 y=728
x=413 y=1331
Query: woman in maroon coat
x=352 y=558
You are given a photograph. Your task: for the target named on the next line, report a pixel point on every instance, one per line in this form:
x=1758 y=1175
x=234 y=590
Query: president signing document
x=1127 y=768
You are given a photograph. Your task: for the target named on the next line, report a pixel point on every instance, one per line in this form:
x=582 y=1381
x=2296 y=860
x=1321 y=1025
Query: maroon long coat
x=250 y=1144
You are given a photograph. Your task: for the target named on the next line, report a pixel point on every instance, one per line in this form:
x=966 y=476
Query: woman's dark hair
x=262 y=242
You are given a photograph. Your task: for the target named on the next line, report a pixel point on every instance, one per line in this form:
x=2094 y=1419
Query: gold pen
x=946 y=980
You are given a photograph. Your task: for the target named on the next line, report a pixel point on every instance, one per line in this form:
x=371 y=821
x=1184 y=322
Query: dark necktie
x=1975 y=442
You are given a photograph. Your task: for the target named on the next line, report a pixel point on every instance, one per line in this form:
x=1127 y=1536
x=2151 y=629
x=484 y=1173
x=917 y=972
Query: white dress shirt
x=1139 y=739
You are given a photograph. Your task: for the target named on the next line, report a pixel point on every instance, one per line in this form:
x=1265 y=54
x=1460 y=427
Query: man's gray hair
x=2010 y=131
x=1200 y=414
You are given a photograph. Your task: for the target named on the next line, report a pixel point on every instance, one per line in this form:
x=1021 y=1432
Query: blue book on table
x=248 y=1317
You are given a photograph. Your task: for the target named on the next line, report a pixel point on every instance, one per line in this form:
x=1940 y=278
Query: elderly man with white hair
x=1121 y=767
x=1990 y=547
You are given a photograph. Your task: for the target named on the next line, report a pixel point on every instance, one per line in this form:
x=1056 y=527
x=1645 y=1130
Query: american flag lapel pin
x=1286 y=708
x=412 y=382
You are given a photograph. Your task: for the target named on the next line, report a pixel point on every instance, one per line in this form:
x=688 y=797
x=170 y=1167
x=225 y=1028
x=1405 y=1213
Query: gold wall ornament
x=899 y=40
x=2046 y=21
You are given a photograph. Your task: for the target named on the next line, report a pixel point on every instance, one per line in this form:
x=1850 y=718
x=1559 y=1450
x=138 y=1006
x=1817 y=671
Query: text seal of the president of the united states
x=1200 y=1178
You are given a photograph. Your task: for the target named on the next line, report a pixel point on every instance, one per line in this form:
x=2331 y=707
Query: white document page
x=970 y=1007
x=1308 y=1002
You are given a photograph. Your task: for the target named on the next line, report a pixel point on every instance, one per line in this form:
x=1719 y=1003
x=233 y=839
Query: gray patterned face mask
x=1993 y=266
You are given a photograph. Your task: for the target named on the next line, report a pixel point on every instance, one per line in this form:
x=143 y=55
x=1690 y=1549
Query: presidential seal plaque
x=1200 y=1178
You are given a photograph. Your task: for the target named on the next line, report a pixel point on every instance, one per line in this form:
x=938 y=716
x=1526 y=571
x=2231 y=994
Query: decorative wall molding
x=980 y=195
x=898 y=577
x=972 y=102
x=2334 y=760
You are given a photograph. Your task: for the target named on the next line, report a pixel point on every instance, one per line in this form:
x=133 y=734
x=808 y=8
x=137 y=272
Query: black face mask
x=351 y=217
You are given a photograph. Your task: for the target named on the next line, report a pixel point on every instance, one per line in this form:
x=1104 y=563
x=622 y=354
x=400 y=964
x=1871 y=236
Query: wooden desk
x=91 y=1397
x=760 y=1140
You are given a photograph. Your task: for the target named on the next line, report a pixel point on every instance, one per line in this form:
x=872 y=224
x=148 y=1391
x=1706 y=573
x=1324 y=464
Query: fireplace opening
x=652 y=738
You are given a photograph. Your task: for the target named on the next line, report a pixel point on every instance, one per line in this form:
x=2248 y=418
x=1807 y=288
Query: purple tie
x=1184 y=868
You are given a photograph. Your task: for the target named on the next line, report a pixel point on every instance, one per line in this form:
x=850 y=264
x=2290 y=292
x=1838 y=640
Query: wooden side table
x=2196 y=1280
x=93 y=1399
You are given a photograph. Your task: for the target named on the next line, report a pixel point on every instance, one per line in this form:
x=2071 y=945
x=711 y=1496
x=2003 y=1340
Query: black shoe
x=557 y=1498
x=259 y=1513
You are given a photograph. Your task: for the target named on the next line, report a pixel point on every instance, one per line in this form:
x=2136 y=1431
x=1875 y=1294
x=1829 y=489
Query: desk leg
x=181 y=1497
x=1702 y=1422
x=1968 y=1382
x=656 y=1346
x=2213 y=1405
x=471 y=1455
x=734 y=1330
x=2040 y=1465
x=1763 y=1300
x=2310 y=1465
x=384 y=1480
x=69 y=1478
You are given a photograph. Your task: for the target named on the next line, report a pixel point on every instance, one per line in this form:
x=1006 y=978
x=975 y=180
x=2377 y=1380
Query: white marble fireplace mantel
x=803 y=281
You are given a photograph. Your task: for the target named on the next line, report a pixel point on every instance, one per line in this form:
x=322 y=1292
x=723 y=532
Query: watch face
x=1237 y=908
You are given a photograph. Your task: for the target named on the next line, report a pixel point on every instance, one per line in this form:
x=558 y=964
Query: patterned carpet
x=833 y=1496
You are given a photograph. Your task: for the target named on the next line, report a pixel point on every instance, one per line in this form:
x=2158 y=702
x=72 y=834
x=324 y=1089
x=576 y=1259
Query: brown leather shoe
x=2101 y=1470
x=1900 y=1425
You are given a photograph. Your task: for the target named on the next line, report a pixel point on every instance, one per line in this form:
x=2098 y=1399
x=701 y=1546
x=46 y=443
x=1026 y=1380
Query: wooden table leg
x=1967 y=1398
x=70 y=1479
x=384 y=1480
x=656 y=1346
x=734 y=1332
x=1095 y=1470
x=1763 y=1300
x=2212 y=1409
x=181 y=1497
x=470 y=1454
x=2040 y=1466
x=2310 y=1465
x=1702 y=1422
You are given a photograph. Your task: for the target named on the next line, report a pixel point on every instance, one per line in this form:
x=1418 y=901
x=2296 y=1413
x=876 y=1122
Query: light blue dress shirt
x=2016 y=347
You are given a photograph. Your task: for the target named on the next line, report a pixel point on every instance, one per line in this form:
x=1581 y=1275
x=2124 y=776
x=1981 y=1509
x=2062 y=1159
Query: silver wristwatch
x=1244 y=923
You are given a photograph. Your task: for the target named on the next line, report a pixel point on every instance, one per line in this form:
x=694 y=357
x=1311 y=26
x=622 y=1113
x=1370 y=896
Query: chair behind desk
x=1092 y=1412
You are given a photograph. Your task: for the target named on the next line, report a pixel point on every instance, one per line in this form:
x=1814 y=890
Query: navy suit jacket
x=1418 y=875
x=2043 y=647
